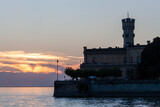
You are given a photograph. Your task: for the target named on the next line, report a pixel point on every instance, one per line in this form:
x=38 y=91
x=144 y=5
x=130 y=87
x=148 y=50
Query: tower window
x=133 y=35
x=127 y=35
x=128 y=44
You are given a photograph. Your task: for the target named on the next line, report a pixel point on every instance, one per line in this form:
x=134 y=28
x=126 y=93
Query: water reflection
x=42 y=97
x=109 y=102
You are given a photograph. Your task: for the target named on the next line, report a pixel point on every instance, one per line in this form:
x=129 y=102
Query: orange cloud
x=20 y=61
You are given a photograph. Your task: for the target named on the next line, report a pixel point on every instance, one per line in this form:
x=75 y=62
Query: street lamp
x=57 y=70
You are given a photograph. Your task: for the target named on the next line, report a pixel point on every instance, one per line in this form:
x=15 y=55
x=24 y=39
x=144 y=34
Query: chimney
x=148 y=42
x=85 y=48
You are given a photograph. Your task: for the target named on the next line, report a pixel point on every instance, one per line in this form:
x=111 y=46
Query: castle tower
x=128 y=31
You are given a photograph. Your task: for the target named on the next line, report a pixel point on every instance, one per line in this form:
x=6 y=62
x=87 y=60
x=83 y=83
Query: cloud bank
x=37 y=62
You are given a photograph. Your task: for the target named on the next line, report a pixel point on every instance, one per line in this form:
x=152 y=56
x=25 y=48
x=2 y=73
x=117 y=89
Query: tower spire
x=127 y=14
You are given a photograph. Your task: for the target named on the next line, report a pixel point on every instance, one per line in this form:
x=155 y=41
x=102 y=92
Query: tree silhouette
x=149 y=67
x=70 y=72
x=85 y=73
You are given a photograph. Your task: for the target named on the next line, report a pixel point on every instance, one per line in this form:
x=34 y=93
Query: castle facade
x=126 y=58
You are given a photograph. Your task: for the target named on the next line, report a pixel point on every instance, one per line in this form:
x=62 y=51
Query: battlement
x=128 y=23
x=128 y=20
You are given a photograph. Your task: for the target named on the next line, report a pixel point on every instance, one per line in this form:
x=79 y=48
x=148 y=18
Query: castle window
x=131 y=59
x=125 y=60
x=94 y=61
x=138 y=60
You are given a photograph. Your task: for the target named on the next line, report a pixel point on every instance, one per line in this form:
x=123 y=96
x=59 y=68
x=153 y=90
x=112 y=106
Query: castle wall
x=125 y=89
x=70 y=89
x=108 y=58
x=134 y=54
x=107 y=88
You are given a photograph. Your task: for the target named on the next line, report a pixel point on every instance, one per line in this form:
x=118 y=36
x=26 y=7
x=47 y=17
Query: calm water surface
x=42 y=97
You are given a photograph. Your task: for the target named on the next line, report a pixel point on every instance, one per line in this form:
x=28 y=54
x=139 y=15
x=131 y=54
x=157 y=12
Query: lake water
x=42 y=97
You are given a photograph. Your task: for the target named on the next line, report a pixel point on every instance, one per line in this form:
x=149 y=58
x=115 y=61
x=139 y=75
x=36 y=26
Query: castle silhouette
x=125 y=58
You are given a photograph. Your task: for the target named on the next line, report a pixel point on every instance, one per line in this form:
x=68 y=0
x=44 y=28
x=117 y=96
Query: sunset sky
x=36 y=33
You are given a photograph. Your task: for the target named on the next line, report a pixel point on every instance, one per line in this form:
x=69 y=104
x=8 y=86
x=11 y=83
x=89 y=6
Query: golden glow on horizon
x=21 y=54
x=20 y=61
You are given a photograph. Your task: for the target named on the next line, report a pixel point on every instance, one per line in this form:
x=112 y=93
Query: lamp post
x=57 y=70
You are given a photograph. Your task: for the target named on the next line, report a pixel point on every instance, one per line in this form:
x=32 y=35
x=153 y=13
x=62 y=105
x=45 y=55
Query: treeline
x=115 y=72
